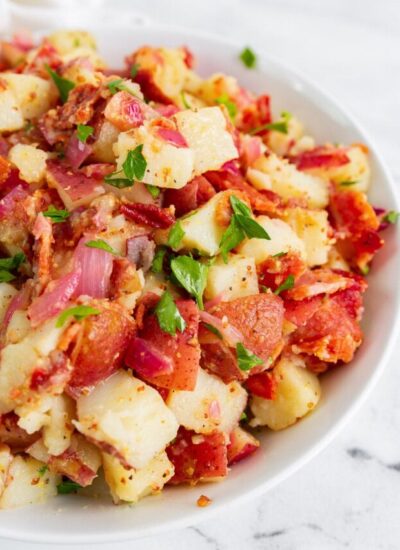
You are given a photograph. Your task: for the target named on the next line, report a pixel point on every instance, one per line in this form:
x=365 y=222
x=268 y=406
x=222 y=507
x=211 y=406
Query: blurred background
x=349 y=496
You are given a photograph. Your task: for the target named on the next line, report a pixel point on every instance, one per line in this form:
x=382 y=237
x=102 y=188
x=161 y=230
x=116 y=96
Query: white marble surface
x=349 y=496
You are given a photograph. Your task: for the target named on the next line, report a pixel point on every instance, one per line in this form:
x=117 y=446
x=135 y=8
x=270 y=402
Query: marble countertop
x=349 y=496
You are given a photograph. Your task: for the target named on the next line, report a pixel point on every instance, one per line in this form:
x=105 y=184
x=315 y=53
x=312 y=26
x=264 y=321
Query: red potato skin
x=241 y=445
x=70 y=464
x=260 y=319
x=100 y=346
x=263 y=384
x=183 y=348
x=197 y=457
x=14 y=436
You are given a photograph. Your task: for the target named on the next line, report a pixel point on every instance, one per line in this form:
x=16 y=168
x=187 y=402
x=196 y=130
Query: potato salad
x=178 y=267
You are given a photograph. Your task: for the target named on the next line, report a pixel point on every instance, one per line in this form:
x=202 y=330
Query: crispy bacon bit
x=12 y=200
x=324 y=156
x=55 y=375
x=195 y=193
x=263 y=385
x=148 y=214
x=318 y=281
x=274 y=271
x=188 y=57
x=43 y=233
x=196 y=461
x=241 y=445
x=98 y=171
x=203 y=501
x=299 y=312
x=5 y=169
x=14 y=436
x=255 y=114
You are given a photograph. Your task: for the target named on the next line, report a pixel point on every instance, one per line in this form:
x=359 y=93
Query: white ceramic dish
x=80 y=520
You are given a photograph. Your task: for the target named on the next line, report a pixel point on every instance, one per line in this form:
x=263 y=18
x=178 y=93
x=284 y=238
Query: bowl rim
x=205 y=514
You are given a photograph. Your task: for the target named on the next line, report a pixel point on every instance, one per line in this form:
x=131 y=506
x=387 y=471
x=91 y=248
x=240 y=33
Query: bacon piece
x=148 y=214
x=43 y=233
x=255 y=114
x=324 y=156
x=13 y=201
x=14 y=436
x=274 y=271
x=260 y=319
x=5 y=169
x=183 y=348
x=55 y=374
x=356 y=225
x=100 y=347
x=263 y=384
x=195 y=193
x=299 y=312
x=197 y=457
x=318 y=281
x=189 y=58
x=98 y=170
x=124 y=111
x=330 y=334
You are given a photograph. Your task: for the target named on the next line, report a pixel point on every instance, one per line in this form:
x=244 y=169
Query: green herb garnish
x=391 y=217
x=248 y=57
x=134 y=70
x=83 y=132
x=78 y=312
x=102 y=245
x=230 y=106
x=184 y=100
x=214 y=330
x=175 y=235
x=287 y=284
x=191 y=275
x=281 y=126
x=168 y=315
x=153 y=190
x=64 y=85
x=158 y=260
x=10 y=264
x=118 y=86
x=279 y=255
x=348 y=183
x=246 y=359
x=56 y=215
x=67 y=487
x=133 y=168
x=42 y=470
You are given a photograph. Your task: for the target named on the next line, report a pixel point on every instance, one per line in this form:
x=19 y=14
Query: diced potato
x=58 y=431
x=18 y=327
x=206 y=134
x=79 y=73
x=260 y=180
x=5 y=461
x=357 y=170
x=279 y=142
x=119 y=229
x=103 y=147
x=214 y=87
x=28 y=354
x=27 y=483
x=34 y=413
x=283 y=239
x=235 y=279
x=85 y=53
x=212 y=405
x=125 y=414
x=34 y=95
x=132 y=485
x=312 y=227
x=7 y=292
x=288 y=182
x=30 y=161
x=11 y=117
x=297 y=393
x=67 y=41
x=167 y=166
x=201 y=227
x=336 y=260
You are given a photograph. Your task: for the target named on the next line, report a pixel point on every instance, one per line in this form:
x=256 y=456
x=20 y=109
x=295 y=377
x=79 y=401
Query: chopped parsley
x=175 y=235
x=158 y=260
x=102 y=245
x=7 y=265
x=153 y=190
x=42 y=470
x=230 y=106
x=191 y=275
x=78 y=312
x=279 y=255
x=248 y=57
x=391 y=217
x=212 y=329
x=184 y=100
x=56 y=215
x=348 y=183
x=287 y=284
x=64 y=85
x=241 y=225
x=134 y=70
x=133 y=168
x=168 y=315
x=281 y=126
x=83 y=132
x=67 y=487
x=118 y=85
x=246 y=359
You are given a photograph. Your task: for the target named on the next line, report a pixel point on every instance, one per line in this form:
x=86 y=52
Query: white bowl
x=79 y=520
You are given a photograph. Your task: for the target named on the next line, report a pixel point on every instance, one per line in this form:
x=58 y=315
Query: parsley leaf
x=134 y=166
x=12 y=263
x=391 y=217
x=83 y=132
x=347 y=183
x=56 y=215
x=79 y=312
x=119 y=183
x=118 y=85
x=158 y=260
x=279 y=255
x=168 y=315
x=153 y=190
x=212 y=329
x=67 y=487
x=246 y=359
x=287 y=284
x=175 y=235
x=241 y=225
x=134 y=70
x=191 y=275
x=102 y=245
x=248 y=57
x=6 y=276
x=64 y=85
x=230 y=106
x=243 y=417
x=184 y=100
x=364 y=269
x=279 y=126
x=42 y=470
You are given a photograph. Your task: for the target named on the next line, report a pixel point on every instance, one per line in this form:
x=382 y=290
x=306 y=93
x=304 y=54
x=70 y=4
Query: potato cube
x=7 y=292
x=5 y=461
x=212 y=405
x=30 y=161
x=235 y=279
x=34 y=95
x=67 y=41
x=297 y=393
x=125 y=414
x=10 y=113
